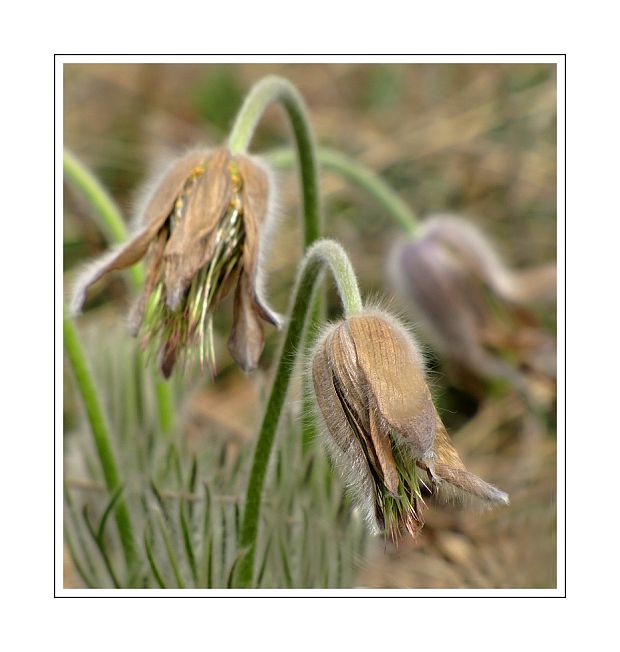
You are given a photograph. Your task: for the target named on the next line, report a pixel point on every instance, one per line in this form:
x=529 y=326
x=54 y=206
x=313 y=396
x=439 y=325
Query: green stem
x=113 y=227
x=105 y=210
x=360 y=175
x=88 y=392
x=275 y=89
x=163 y=398
x=265 y=92
x=324 y=253
x=308 y=424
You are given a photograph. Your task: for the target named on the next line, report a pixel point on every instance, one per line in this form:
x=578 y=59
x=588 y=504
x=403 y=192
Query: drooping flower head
x=199 y=236
x=470 y=306
x=382 y=428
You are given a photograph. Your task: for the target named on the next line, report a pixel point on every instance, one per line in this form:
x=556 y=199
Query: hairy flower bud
x=470 y=306
x=199 y=236
x=382 y=428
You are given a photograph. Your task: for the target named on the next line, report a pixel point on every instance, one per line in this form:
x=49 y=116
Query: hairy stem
x=99 y=429
x=323 y=254
x=265 y=92
x=114 y=229
x=361 y=176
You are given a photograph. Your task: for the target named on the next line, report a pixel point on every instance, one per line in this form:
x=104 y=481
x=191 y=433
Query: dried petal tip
x=471 y=484
x=450 y=477
x=200 y=237
x=382 y=428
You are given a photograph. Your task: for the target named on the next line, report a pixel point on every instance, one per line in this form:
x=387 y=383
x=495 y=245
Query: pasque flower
x=381 y=426
x=199 y=235
x=472 y=308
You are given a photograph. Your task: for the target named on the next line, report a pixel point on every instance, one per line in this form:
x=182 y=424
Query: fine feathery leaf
x=108 y=510
x=85 y=547
x=151 y=557
x=207 y=540
x=86 y=578
x=240 y=554
x=263 y=566
x=172 y=556
x=101 y=546
x=286 y=565
x=187 y=542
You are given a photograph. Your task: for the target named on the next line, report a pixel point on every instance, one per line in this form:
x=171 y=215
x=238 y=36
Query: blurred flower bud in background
x=381 y=427
x=473 y=310
x=199 y=235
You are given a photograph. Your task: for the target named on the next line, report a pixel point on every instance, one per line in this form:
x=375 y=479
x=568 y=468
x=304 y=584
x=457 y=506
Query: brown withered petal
x=383 y=450
x=246 y=340
x=155 y=258
x=471 y=484
x=447 y=465
x=254 y=197
x=200 y=237
x=344 y=448
x=372 y=395
x=189 y=246
x=396 y=381
x=343 y=359
x=160 y=205
x=370 y=388
x=156 y=213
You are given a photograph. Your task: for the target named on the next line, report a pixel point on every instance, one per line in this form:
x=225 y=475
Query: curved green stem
x=324 y=253
x=88 y=392
x=360 y=175
x=113 y=227
x=108 y=216
x=276 y=89
x=265 y=92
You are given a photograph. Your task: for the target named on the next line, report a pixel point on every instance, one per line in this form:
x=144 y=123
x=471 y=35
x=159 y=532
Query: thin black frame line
x=565 y=327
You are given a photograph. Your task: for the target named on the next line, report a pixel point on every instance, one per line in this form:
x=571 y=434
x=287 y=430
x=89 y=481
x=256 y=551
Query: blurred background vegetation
x=477 y=140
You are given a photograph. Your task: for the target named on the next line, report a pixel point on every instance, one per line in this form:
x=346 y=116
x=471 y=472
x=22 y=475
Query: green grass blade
x=187 y=543
x=191 y=485
x=151 y=558
x=172 y=556
x=160 y=501
x=108 y=510
x=86 y=578
x=101 y=547
x=207 y=540
x=263 y=566
x=81 y=541
x=288 y=576
x=240 y=554
x=237 y=522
